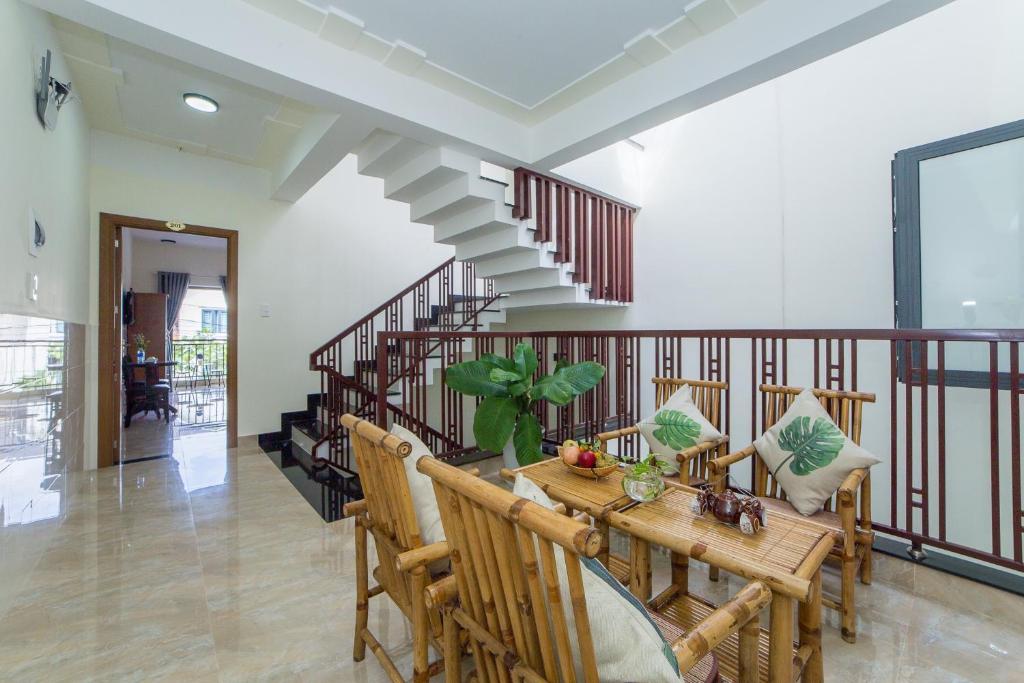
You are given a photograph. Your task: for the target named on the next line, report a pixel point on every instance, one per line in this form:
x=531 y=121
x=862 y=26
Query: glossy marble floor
x=210 y=566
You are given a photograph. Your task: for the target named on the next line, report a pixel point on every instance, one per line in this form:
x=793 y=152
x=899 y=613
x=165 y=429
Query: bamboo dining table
x=786 y=554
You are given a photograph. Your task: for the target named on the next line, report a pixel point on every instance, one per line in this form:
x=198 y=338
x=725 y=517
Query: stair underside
x=444 y=188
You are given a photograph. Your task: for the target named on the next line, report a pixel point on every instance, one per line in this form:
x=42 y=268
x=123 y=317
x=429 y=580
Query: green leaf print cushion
x=809 y=455
x=676 y=426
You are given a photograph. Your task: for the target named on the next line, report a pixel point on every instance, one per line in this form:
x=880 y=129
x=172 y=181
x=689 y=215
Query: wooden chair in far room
x=510 y=597
x=839 y=512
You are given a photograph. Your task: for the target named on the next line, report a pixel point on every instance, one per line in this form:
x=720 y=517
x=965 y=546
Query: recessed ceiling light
x=201 y=103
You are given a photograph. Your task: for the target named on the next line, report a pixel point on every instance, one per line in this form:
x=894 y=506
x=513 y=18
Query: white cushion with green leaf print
x=676 y=426
x=809 y=455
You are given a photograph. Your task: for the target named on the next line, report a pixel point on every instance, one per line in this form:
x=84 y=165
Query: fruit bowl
x=605 y=466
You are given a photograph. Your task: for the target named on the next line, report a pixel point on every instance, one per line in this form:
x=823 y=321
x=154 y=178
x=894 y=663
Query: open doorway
x=168 y=339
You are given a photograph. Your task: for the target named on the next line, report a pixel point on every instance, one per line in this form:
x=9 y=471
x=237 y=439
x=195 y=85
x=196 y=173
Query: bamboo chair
x=840 y=511
x=707 y=395
x=693 y=462
x=386 y=511
x=503 y=562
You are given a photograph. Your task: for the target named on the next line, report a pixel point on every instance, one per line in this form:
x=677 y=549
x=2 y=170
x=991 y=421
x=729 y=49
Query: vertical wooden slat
x=893 y=447
x=923 y=375
x=993 y=416
x=1018 y=512
x=940 y=377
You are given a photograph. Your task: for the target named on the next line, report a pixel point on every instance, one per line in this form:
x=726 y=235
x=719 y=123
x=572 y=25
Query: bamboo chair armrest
x=852 y=483
x=422 y=556
x=687 y=454
x=441 y=592
x=605 y=437
x=718 y=465
x=356 y=507
x=720 y=624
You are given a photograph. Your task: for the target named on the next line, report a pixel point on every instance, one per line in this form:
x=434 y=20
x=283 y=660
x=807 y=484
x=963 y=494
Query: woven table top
x=603 y=492
x=782 y=544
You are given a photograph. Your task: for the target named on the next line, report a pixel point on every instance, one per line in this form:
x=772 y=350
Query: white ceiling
x=525 y=50
x=130 y=90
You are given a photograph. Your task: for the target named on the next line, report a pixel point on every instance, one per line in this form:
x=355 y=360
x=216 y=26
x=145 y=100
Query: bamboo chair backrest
x=707 y=395
x=503 y=551
x=391 y=517
x=844 y=407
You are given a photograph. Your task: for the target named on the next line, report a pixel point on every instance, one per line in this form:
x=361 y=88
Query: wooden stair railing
x=589 y=229
x=449 y=298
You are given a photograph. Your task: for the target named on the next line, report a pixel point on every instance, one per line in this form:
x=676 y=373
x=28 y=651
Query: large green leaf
x=494 y=422
x=525 y=359
x=499 y=375
x=677 y=430
x=474 y=379
x=493 y=361
x=567 y=383
x=527 y=439
x=812 y=446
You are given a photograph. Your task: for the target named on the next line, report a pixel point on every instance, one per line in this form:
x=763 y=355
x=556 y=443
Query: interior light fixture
x=970 y=303
x=202 y=103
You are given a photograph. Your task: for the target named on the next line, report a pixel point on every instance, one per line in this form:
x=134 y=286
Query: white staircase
x=446 y=189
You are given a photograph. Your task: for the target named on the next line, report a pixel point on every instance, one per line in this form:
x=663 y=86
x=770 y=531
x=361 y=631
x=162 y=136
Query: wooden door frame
x=109 y=408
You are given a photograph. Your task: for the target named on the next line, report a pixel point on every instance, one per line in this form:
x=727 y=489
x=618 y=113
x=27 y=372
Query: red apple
x=587 y=459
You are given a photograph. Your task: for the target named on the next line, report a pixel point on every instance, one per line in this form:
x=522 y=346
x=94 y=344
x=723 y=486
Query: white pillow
x=676 y=426
x=627 y=644
x=421 y=488
x=809 y=455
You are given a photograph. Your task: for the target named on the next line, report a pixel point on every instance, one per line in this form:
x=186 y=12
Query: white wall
x=772 y=209
x=43 y=170
x=205 y=263
x=320 y=264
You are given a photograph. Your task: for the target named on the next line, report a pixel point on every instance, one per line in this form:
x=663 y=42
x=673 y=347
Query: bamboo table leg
x=605 y=550
x=640 y=568
x=681 y=571
x=810 y=631
x=780 y=643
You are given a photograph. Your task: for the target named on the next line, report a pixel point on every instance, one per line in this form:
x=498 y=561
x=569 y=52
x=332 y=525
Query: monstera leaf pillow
x=676 y=426
x=809 y=455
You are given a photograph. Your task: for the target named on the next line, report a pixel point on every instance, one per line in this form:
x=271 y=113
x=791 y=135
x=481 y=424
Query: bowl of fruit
x=586 y=459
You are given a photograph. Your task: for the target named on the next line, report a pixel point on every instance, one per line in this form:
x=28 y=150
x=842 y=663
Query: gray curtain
x=174 y=285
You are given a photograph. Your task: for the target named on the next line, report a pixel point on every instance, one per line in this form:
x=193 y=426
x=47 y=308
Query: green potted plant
x=505 y=421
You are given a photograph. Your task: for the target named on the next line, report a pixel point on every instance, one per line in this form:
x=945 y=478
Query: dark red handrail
x=914 y=373
x=450 y=297
x=591 y=231
x=351 y=329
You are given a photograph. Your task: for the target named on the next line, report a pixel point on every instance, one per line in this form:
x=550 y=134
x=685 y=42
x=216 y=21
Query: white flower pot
x=508 y=455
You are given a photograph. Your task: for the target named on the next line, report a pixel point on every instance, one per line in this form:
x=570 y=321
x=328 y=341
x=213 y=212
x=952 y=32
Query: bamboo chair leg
x=452 y=649
x=362 y=593
x=849 y=610
x=750 y=636
x=421 y=627
x=865 y=565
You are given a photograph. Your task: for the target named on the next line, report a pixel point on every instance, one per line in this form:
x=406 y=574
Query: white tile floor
x=209 y=566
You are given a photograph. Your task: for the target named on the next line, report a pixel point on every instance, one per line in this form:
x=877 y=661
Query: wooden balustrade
x=591 y=231
x=947 y=421
x=449 y=297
